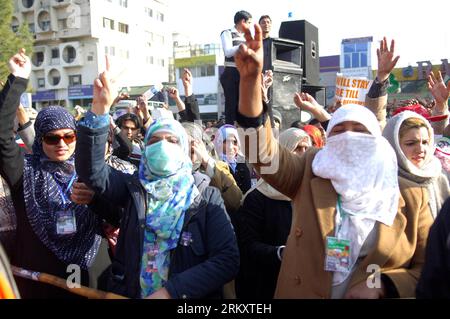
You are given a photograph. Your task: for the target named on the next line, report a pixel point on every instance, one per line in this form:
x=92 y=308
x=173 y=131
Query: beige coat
x=399 y=249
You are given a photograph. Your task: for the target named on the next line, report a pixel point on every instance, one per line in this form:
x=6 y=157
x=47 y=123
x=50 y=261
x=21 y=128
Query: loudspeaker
x=318 y=92
x=283 y=55
x=285 y=85
x=303 y=31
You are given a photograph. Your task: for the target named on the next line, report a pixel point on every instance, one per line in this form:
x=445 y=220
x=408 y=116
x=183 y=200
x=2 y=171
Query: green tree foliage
x=10 y=41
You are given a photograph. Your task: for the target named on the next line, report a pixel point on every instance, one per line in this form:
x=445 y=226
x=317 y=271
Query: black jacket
x=264 y=225
x=191 y=112
x=196 y=271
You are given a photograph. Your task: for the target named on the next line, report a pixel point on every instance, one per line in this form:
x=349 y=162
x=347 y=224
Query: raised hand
x=120 y=97
x=20 y=65
x=173 y=93
x=103 y=91
x=81 y=194
x=187 y=82
x=249 y=62
x=306 y=102
x=386 y=60
x=249 y=58
x=440 y=92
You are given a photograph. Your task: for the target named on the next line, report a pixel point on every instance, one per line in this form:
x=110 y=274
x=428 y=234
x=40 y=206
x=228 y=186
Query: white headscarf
x=431 y=166
x=430 y=173
x=363 y=171
x=289 y=139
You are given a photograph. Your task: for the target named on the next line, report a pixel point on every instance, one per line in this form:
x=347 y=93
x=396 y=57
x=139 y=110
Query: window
x=347 y=62
x=38 y=58
x=90 y=58
x=123 y=27
x=31 y=28
x=149 y=12
x=69 y=54
x=160 y=62
x=62 y=24
x=149 y=59
x=44 y=20
x=15 y=24
x=124 y=54
x=27 y=3
x=110 y=50
x=206 y=70
x=160 y=16
x=75 y=80
x=123 y=3
x=54 y=77
x=41 y=82
x=210 y=70
x=355 y=55
x=108 y=23
x=55 y=53
x=201 y=71
x=363 y=57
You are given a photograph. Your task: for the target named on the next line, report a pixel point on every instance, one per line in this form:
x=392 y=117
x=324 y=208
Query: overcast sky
x=421 y=28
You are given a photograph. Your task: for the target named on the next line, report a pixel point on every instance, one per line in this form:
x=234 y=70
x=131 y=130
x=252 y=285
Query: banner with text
x=351 y=90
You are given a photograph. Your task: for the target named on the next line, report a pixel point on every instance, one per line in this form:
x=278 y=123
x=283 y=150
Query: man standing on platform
x=231 y=40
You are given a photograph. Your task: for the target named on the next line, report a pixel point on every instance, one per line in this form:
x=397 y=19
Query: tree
x=10 y=41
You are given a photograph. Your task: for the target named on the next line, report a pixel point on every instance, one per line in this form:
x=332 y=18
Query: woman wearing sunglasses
x=52 y=231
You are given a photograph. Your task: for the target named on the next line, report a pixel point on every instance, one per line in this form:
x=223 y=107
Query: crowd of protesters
x=153 y=207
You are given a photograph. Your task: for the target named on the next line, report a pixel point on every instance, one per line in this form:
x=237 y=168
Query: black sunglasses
x=52 y=139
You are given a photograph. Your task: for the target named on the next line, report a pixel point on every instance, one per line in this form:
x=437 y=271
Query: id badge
x=152 y=251
x=186 y=238
x=337 y=255
x=65 y=222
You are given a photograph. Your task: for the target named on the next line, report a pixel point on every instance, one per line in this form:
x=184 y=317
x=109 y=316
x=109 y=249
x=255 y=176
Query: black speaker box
x=319 y=93
x=303 y=31
x=285 y=85
x=283 y=55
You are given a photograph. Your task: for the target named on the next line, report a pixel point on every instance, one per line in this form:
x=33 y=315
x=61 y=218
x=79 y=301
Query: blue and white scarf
x=42 y=182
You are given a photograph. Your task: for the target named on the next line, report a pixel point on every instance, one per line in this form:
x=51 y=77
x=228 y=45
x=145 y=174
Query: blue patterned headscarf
x=168 y=199
x=42 y=180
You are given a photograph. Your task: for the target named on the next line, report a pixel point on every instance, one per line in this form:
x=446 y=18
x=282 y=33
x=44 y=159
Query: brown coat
x=399 y=249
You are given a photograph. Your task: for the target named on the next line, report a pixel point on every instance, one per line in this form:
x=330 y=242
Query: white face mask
x=363 y=170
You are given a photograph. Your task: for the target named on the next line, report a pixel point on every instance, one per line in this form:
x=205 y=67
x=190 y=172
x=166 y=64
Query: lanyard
x=64 y=194
x=342 y=214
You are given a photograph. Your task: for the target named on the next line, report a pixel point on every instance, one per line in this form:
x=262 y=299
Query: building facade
x=206 y=64
x=72 y=38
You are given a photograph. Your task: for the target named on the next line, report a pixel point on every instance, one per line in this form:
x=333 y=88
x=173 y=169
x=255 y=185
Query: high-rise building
x=73 y=36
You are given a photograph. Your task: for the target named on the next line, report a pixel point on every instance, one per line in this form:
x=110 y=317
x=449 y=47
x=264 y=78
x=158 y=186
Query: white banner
x=351 y=90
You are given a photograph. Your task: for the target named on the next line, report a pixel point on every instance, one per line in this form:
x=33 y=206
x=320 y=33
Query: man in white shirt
x=231 y=40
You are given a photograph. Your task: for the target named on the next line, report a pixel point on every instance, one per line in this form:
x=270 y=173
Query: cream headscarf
x=430 y=173
x=363 y=171
x=290 y=138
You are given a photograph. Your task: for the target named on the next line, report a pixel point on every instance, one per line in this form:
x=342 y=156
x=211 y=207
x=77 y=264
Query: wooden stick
x=61 y=283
